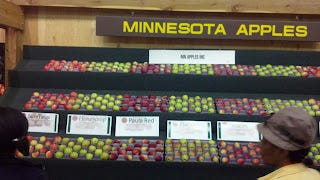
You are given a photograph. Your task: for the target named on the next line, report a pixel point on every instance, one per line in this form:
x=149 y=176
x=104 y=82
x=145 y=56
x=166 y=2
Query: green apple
x=191 y=145
x=58 y=155
x=116 y=108
x=185 y=103
x=98 y=152
x=103 y=107
x=67 y=150
x=171 y=109
x=99 y=98
x=197 y=109
x=178 y=105
x=211 y=142
x=80 y=95
x=107 y=147
x=185 y=97
x=110 y=104
x=76 y=148
x=74 y=155
x=62 y=147
x=104 y=102
x=71 y=144
x=65 y=140
x=92 y=148
x=89 y=107
x=109 y=141
x=183 y=149
x=94 y=140
x=184 y=158
x=100 y=144
x=94 y=95
x=107 y=96
x=85 y=143
x=211 y=110
x=97 y=104
x=104 y=156
x=89 y=156
x=314 y=149
x=213 y=150
x=317 y=157
x=83 y=151
x=185 y=109
x=183 y=141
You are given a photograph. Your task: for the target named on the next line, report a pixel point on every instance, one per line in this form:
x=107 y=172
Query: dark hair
x=300 y=156
x=13 y=131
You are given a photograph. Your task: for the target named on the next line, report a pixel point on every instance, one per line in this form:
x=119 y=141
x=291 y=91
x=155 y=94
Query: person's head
x=287 y=136
x=13 y=131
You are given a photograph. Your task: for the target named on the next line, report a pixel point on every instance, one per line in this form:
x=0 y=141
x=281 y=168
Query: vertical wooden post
x=13 y=50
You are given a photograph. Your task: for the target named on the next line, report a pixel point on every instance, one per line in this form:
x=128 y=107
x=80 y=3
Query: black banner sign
x=207 y=28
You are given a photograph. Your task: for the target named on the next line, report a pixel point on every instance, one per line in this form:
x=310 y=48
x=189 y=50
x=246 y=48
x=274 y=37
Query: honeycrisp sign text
x=207 y=28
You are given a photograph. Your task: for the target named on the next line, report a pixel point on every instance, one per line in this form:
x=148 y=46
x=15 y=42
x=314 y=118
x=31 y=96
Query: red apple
x=240 y=161
x=124 y=108
x=57 y=139
x=136 y=152
x=143 y=157
x=113 y=156
x=49 y=154
x=255 y=161
x=158 y=158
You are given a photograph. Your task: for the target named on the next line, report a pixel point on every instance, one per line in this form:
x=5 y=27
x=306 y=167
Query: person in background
x=13 y=137
x=287 y=137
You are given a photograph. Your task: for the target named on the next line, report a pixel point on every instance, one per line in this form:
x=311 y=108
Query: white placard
x=238 y=131
x=191 y=56
x=189 y=130
x=42 y=122
x=89 y=124
x=137 y=126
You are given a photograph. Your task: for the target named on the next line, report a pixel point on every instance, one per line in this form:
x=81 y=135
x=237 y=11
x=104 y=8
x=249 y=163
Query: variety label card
x=238 y=131
x=137 y=126
x=189 y=130
x=42 y=122
x=89 y=124
x=191 y=56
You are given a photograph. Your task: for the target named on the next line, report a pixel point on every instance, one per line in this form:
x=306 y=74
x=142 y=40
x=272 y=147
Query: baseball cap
x=291 y=128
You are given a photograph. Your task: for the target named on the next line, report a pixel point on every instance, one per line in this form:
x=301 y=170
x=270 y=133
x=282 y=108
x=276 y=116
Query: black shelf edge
x=140 y=55
x=162 y=82
x=70 y=169
x=16 y=97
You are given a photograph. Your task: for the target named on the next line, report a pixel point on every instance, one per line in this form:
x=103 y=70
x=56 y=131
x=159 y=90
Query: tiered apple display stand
x=32 y=75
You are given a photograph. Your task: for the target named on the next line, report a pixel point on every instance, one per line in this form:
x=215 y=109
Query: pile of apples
x=239 y=153
x=203 y=69
x=119 y=102
x=312 y=106
x=243 y=106
x=64 y=65
x=183 y=150
x=314 y=154
x=105 y=149
x=195 y=104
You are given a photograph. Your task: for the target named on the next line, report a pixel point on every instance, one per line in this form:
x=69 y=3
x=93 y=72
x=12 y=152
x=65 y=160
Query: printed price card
x=89 y=124
x=238 y=131
x=42 y=122
x=137 y=126
x=191 y=56
x=189 y=130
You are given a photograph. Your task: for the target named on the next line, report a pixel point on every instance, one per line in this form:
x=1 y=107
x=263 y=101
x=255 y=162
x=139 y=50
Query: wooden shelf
x=234 y=6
